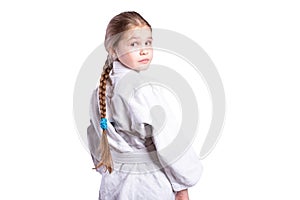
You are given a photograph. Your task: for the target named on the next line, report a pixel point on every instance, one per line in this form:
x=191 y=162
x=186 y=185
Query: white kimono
x=140 y=171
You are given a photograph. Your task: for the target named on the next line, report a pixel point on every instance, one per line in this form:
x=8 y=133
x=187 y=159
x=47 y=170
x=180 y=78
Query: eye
x=134 y=44
x=148 y=43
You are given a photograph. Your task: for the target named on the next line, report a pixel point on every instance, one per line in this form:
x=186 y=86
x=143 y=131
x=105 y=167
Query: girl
x=129 y=159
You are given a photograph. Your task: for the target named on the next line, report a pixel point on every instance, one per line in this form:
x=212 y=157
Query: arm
x=183 y=168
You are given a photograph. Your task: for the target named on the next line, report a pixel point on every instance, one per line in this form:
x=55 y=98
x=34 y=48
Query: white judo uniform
x=141 y=169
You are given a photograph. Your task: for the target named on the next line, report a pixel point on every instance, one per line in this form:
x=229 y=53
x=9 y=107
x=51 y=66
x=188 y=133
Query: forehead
x=137 y=32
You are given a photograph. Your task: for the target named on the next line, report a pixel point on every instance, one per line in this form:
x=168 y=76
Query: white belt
x=134 y=157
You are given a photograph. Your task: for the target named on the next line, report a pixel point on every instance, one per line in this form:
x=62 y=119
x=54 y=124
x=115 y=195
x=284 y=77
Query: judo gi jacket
x=144 y=166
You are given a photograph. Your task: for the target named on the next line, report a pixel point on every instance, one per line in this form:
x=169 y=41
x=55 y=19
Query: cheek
x=126 y=52
x=121 y=52
x=130 y=56
x=151 y=53
x=129 y=59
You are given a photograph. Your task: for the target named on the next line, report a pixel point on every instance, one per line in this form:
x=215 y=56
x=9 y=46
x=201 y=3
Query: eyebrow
x=131 y=38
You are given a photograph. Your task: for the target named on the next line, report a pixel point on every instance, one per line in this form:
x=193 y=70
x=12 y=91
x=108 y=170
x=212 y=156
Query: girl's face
x=134 y=50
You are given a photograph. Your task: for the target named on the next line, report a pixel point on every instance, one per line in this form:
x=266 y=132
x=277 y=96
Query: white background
x=255 y=46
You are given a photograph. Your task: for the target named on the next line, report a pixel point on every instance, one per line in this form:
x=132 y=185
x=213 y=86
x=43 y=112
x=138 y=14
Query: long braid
x=115 y=29
x=106 y=159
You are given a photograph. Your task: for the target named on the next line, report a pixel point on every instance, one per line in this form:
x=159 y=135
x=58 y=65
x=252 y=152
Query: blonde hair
x=115 y=29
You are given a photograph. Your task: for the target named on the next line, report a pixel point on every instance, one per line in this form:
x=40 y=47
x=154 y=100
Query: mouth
x=144 y=61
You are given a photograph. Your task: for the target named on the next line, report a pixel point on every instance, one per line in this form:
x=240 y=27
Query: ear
x=114 y=54
x=111 y=51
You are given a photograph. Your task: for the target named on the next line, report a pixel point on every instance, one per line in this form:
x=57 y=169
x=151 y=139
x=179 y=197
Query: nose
x=143 y=51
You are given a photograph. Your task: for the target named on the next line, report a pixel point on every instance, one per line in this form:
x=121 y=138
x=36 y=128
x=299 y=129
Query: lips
x=144 y=61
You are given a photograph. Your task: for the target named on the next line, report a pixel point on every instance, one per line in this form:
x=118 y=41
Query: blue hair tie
x=103 y=123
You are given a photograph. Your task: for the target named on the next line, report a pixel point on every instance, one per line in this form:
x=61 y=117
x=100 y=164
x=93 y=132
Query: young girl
x=129 y=159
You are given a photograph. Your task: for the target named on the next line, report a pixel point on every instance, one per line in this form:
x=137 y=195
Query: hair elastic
x=103 y=123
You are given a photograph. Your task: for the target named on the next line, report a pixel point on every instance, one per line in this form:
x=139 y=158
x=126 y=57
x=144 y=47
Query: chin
x=143 y=67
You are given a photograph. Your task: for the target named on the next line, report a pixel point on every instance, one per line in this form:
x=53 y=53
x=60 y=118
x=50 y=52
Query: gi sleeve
x=184 y=169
